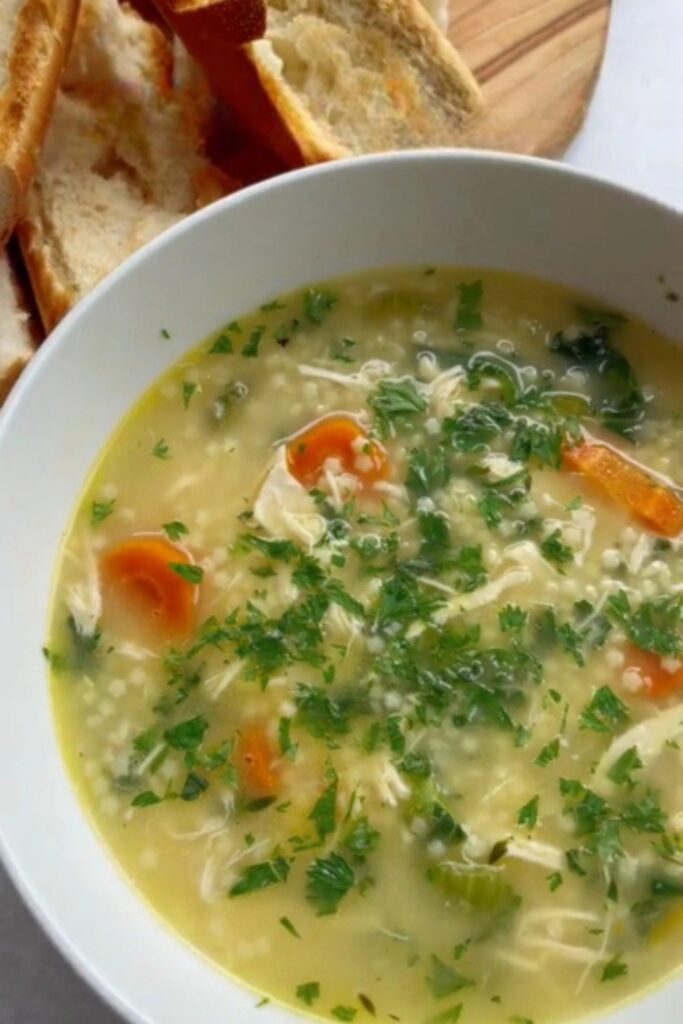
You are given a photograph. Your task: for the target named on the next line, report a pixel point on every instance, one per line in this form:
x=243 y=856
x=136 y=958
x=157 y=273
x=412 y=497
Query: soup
x=366 y=652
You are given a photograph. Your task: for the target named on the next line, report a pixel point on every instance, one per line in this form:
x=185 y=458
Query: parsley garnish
x=344 y=1012
x=444 y=980
x=556 y=551
x=251 y=347
x=620 y=772
x=222 y=345
x=174 y=529
x=614 y=969
x=191 y=573
x=654 y=625
x=187 y=735
x=527 y=816
x=308 y=992
x=554 y=880
x=550 y=752
x=188 y=390
x=193 y=786
x=468 y=313
x=261 y=876
x=101 y=510
x=324 y=813
x=512 y=618
x=161 y=449
x=288 y=926
x=605 y=712
x=395 y=401
x=329 y=880
x=361 y=839
x=428 y=471
x=318 y=304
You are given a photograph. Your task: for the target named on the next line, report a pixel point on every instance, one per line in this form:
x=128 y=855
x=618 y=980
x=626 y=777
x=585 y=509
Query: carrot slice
x=336 y=437
x=656 y=506
x=256 y=762
x=139 y=571
x=658 y=680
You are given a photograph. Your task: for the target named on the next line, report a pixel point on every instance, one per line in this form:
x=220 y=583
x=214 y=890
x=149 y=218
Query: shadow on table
x=37 y=986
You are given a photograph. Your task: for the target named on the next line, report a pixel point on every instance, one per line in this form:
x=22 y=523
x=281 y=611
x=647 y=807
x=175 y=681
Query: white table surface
x=633 y=135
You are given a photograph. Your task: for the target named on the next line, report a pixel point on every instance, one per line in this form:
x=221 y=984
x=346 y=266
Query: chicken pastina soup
x=366 y=650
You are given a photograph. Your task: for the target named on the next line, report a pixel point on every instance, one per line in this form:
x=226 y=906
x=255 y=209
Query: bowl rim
x=51 y=350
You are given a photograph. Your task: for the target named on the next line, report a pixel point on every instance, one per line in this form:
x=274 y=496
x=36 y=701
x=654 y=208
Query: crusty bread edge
x=249 y=83
x=42 y=38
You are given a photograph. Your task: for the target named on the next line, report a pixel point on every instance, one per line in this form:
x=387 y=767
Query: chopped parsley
x=174 y=529
x=344 y=1013
x=101 y=510
x=189 y=388
x=554 y=550
x=527 y=816
x=318 y=304
x=250 y=349
x=324 y=813
x=468 y=315
x=395 y=402
x=261 y=876
x=628 y=762
x=222 y=345
x=614 y=968
x=445 y=980
x=329 y=879
x=309 y=992
x=161 y=450
x=187 y=571
x=605 y=713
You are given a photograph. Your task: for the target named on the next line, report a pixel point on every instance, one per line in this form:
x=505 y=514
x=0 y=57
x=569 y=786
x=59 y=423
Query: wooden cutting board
x=537 y=62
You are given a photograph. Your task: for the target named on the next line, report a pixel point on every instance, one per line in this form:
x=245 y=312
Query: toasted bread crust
x=229 y=38
x=40 y=44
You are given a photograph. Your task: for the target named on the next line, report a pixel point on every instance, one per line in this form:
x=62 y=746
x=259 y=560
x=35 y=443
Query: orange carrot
x=336 y=437
x=659 y=681
x=657 y=506
x=256 y=762
x=140 y=571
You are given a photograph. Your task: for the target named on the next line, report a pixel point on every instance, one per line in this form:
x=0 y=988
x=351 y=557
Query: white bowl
x=458 y=208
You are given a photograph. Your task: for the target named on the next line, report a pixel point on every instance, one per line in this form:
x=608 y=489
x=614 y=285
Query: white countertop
x=633 y=135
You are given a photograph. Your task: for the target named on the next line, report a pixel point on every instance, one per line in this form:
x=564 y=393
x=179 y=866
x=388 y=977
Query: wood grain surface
x=537 y=62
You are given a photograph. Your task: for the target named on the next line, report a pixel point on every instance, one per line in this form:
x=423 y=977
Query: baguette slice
x=321 y=79
x=123 y=158
x=34 y=40
x=16 y=340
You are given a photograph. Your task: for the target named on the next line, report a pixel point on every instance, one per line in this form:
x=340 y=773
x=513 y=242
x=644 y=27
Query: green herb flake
x=605 y=712
x=620 y=771
x=146 y=799
x=554 y=880
x=187 y=735
x=288 y=926
x=164 y=334
x=250 y=349
x=549 y=753
x=445 y=980
x=161 y=450
x=512 y=618
x=615 y=968
x=554 y=550
x=324 y=813
x=396 y=401
x=450 y=1016
x=308 y=993
x=344 y=1012
x=222 y=345
x=261 y=876
x=361 y=839
x=287 y=747
x=174 y=529
x=101 y=510
x=189 y=388
x=468 y=316
x=193 y=787
x=318 y=304
x=329 y=881
x=191 y=573
x=527 y=816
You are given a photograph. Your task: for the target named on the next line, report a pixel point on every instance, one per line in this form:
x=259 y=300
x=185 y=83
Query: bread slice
x=122 y=159
x=320 y=79
x=34 y=40
x=16 y=340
